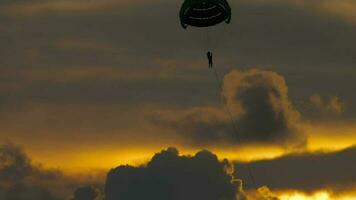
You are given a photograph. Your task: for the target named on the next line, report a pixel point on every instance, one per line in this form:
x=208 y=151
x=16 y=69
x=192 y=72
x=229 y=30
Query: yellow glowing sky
x=319 y=195
x=76 y=157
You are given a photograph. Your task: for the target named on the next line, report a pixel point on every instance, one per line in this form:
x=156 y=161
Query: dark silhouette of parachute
x=204 y=13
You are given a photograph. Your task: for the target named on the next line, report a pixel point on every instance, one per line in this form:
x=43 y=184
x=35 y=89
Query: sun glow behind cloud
x=330 y=137
x=320 y=195
x=299 y=196
x=107 y=158
x=320 y=139
x=70 y=159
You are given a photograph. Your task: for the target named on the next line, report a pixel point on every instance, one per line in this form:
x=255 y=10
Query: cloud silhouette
x=306 y=172
x=262 y=193
x=171 y=176
x=20 y=179
x=85 y=193
x=332 y=104
x=260 y=107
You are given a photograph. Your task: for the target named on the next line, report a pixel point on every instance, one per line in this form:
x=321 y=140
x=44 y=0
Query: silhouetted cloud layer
x=171 y=176
x=19 y=179
x=306 y=172
x=260 y=107
x=85 y=193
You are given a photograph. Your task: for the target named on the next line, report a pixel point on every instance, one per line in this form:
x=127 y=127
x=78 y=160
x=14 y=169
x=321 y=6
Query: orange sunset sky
x=89 y=85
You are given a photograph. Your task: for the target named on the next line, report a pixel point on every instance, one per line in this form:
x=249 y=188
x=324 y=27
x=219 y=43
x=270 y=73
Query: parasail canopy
x=204 y=13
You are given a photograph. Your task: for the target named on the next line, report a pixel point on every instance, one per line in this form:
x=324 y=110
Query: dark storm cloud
x=170 y=176
x=260 y=107
x=20 y=179
x=306 y=172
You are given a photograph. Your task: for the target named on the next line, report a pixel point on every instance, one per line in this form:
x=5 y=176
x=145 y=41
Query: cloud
x=20 y=179
x=48 y=7
x=262 y=193
x=202 y=124
x=259 y=99
x=332 y=104
x=266 y=193
x=306 y=172
x=171 y=176
x=86 y=193
x=260 y=107
x=344 y=9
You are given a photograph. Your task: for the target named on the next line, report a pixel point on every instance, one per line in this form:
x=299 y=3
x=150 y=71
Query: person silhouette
x=210 y=58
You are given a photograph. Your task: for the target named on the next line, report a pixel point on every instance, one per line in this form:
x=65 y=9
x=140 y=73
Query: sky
x=89 y=85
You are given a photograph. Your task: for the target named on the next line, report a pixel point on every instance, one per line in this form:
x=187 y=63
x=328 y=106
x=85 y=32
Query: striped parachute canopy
x=204 y=13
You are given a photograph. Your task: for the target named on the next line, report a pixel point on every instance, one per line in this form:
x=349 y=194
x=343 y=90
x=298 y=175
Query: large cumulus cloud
x=261 y=105
x=260 y=108
x=20 y=179
x=171 y=176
